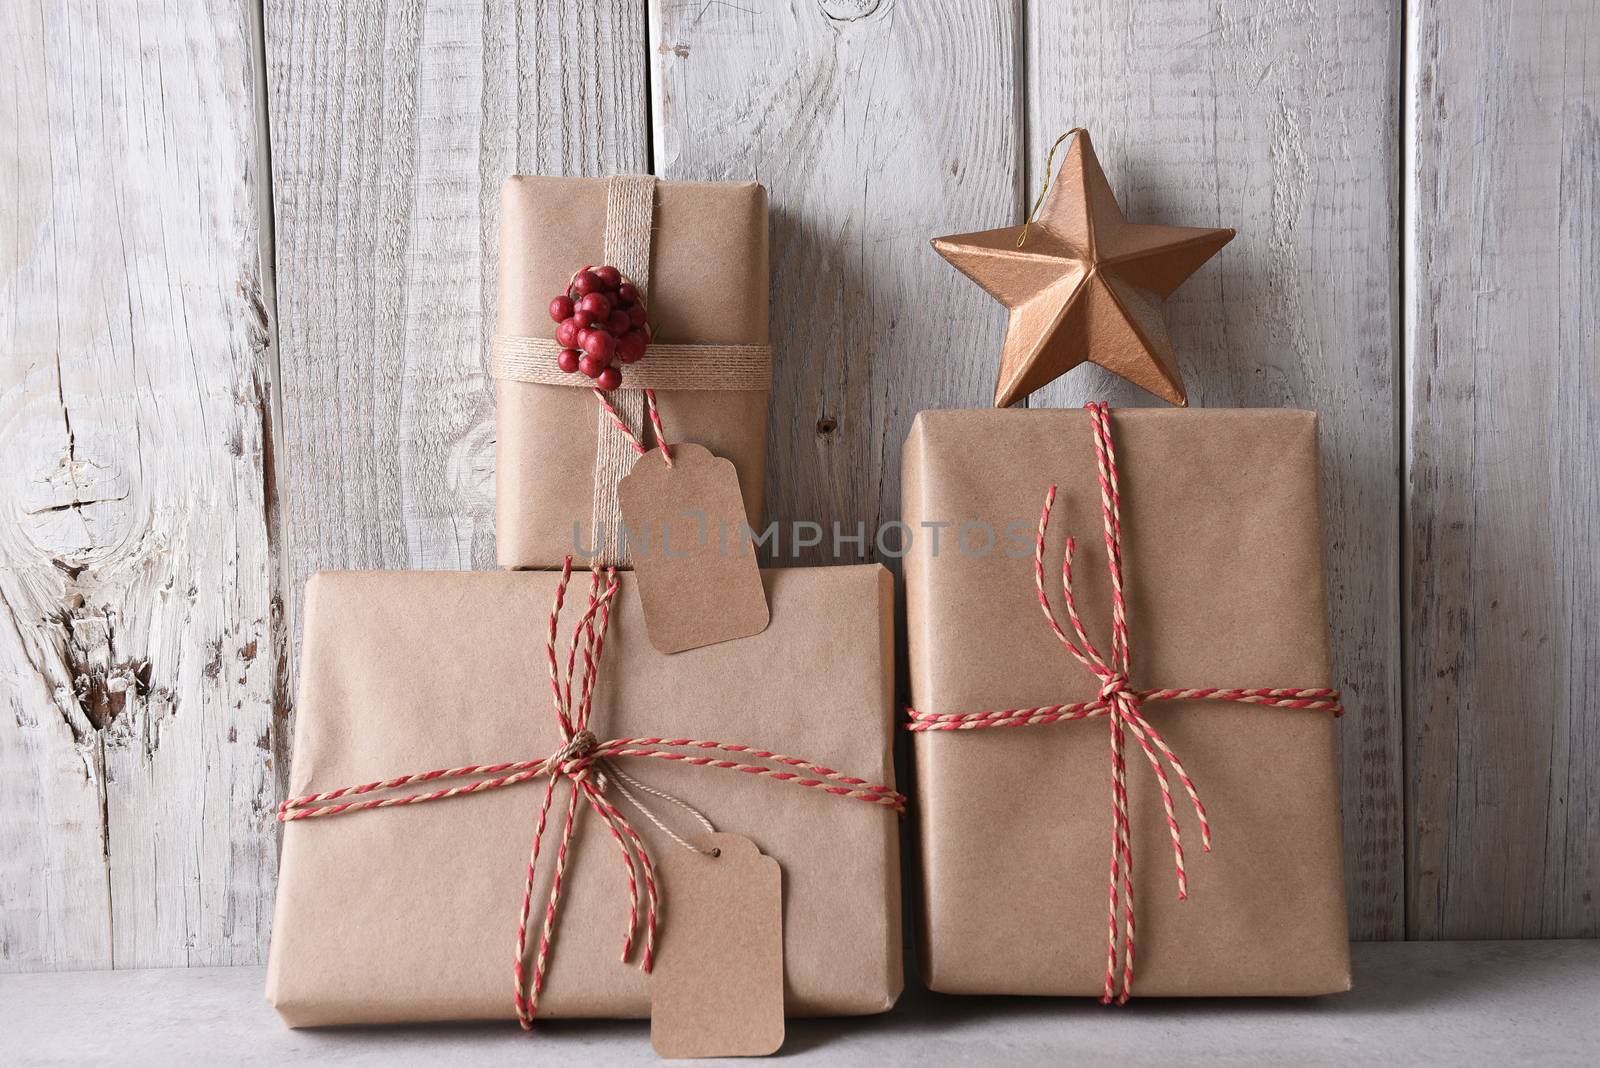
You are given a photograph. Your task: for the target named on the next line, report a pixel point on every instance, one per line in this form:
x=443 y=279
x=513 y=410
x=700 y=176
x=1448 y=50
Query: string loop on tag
x=624 y=781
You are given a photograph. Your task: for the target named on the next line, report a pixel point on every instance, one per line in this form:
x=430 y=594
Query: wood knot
x=849 y=10
x=104 y=693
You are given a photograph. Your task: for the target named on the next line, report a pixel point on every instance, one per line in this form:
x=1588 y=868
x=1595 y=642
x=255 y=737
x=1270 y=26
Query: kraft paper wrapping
x=708 y=285
x=409 y=914
x=1223 y=561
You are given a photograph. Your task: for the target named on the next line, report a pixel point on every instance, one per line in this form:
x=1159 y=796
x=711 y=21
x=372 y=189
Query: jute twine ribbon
x=630 y=211
x=1122 y=706
x=587 y=765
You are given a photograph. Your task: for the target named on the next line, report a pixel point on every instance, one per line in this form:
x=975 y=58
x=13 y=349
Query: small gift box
x=400 y=886
x=1083 y=786
x=697 y=252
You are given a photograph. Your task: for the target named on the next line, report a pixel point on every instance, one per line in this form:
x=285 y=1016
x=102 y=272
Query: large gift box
x=698 y=253
x=409 y=913
x=1023 y=810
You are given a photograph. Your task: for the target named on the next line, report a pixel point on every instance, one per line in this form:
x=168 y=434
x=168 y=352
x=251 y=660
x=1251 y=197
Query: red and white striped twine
x=621 y=424
x=1122 y=705
x=580 y=761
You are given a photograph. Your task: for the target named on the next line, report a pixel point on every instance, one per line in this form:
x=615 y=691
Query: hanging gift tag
x=717 y=986
x=686 y=531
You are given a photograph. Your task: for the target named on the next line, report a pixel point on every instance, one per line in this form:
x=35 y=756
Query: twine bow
x=1123 y=707
x=586 y=764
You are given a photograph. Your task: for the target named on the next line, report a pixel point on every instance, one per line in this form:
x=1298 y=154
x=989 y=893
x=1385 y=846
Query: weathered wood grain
x=393 y=127
x=1242 y=115
x=140 y=637
x=875 y=127
x=1503 y=496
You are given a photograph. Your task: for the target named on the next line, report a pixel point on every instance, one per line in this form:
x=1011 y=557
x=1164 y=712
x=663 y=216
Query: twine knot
x=574 y=758
x=1116 y=693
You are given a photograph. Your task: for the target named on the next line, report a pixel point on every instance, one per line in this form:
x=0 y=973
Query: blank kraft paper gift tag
x=691 y=548
x=717 y=986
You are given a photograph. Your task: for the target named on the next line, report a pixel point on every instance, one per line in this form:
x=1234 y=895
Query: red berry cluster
x=600 y=321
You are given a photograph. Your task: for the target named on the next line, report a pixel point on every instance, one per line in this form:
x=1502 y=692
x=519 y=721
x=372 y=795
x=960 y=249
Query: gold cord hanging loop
x=1049 y=172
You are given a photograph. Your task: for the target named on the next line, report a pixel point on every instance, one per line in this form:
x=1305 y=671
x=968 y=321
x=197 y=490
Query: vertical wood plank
x=393 y=127
x=1503 y=364
x=875 y=126
x=1278 y=119
x=140 y=636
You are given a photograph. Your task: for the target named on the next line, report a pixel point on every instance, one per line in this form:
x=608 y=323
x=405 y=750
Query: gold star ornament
x=1082 y=283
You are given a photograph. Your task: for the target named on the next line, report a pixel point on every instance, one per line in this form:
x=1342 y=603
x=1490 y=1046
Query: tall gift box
x=408 y=913
x=1043 y=851
x=698 y=253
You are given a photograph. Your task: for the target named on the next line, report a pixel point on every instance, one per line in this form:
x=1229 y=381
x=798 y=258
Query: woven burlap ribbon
x=630 y=212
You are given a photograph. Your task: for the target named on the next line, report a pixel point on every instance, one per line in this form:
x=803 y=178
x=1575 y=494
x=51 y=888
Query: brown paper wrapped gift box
x=409 y=914
x=1224 y=571
x=708 y=285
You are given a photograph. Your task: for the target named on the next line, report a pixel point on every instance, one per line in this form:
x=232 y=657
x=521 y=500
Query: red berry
x=627 y=292
x=586 y=282
x=596 y=304
x=609 y=275
x=592 y=366
x=599 y=344
x=617 y=323
x=631 y=346
x=560 y=308
x=636 y=315
x=567 y=360
x=610 y=378
x=583 y=319
x=567 y=333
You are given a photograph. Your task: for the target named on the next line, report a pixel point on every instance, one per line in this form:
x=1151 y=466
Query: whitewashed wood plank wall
x=1502 y=422
x=1416 y=189
x=141 y=638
